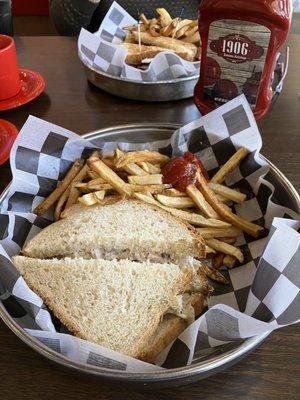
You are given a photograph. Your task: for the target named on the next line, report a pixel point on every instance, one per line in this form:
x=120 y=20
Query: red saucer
x=8 y=134
x=32 y=85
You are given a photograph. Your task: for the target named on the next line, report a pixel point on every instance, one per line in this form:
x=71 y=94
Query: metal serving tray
x=216 y=359
x=175 y=89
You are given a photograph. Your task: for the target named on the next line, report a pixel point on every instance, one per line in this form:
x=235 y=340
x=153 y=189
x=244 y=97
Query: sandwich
x=131 y=307
x=187 y=51
x=141 y=55
x=128 y=229
x=122 y=275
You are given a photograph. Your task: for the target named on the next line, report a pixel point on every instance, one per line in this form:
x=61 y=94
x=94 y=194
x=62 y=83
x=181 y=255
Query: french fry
x=74 y=192
x=92 y=174
x=225 y=212
x=214 y=274
x=147 y=198
x=154 y=179
x=82 y=185
x=230 y=261
x=180 y=32
x=144 y=20
x=99 y=186
x=191 y=31
x=225 y=248
x=55 y=195
x=139 y=156
x=232 y=163
x=195 y=38
x=60 y=204
x=208 y=233
x=149 y=168
x=221 y=198
x=109 y=176
x=144 y=166
x=200 y=202
x=94 y=184
x=209 y=250
x=109 y=163
x=217 y=260
x=78 y=206
x=228 y=193
x=91 y=198
x=152 y=189
x=73 y=196
x=167 y=30
x=99 y=194
x=184 y=23
x=132 y=168
x=87 y=199
x=174 y=193
x=164 y=17
x=192 y=218
x=153 y=27
x=229 y=240
x=196 y=219
x=175 y=202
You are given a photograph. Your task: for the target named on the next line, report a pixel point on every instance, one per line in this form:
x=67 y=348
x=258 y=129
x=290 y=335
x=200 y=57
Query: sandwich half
x=188 y=51
x=117 y=304
x=128 y=229
x=138 y=54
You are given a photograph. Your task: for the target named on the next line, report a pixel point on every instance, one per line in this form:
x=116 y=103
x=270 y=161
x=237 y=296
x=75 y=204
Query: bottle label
x=236 y=55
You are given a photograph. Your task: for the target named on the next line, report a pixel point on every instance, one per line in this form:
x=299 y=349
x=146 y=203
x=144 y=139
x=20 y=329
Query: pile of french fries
x=137 y=174
x=185 y=30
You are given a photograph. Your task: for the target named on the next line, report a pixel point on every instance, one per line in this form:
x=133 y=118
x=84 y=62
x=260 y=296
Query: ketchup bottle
x=240 y=43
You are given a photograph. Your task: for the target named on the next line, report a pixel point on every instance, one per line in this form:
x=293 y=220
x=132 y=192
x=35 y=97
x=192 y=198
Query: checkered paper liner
x=263 y=294
x=102 y=51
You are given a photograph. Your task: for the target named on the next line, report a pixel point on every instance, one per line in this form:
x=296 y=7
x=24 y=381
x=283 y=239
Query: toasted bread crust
x=173 y=326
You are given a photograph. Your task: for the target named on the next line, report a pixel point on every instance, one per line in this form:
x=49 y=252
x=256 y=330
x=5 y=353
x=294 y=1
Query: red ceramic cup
x=10 y=83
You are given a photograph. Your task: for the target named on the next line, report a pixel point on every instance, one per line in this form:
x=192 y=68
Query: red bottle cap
x=8 y=134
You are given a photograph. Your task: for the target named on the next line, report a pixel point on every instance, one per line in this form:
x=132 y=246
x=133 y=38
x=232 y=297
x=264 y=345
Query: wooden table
x=270 y=372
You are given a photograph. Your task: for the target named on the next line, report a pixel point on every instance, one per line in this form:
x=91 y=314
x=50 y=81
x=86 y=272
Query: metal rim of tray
x=117 y=78
x=204 y=368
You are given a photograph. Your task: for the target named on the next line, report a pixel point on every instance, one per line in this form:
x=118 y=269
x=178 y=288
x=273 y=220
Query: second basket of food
x=148 y=59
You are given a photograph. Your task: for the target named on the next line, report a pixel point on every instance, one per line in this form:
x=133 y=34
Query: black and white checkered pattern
x=102 y=51
x=263 y=294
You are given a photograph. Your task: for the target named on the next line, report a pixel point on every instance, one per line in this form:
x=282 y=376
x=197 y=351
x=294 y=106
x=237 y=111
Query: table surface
x=271 y=370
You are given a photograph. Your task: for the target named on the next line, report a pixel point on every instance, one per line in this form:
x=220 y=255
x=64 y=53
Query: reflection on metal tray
x=175 y=89
x=208 y=362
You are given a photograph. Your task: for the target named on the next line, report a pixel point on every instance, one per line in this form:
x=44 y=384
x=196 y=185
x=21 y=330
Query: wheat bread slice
x=116 y=304
x=128 y=229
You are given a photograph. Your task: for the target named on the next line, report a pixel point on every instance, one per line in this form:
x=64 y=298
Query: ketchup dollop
x=181 y=171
